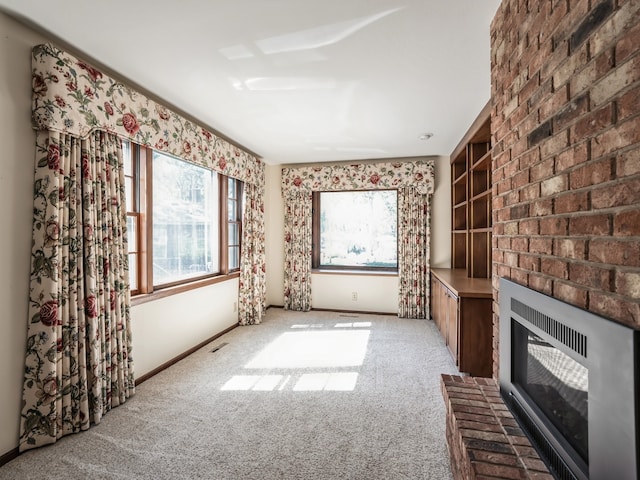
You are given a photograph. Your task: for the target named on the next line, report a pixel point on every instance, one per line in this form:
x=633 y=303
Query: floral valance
x=360 y=176
x=71 y=96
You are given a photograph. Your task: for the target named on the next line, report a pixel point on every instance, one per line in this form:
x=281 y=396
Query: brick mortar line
x=586 y=188
x=572 y=260
x=568 y=172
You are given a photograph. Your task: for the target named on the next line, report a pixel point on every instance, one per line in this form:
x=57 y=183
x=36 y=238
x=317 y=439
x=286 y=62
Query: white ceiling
x=296 y=80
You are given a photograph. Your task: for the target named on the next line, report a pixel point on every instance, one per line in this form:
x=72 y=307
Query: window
x=234 y=225
x=184 y=220
x=130 y=181
x=356 y=230
x=134 y=184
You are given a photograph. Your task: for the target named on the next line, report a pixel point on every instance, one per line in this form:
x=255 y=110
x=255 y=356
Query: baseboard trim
x=10 y=455
x=342 y=311
x=182 y=356
x=354 y=311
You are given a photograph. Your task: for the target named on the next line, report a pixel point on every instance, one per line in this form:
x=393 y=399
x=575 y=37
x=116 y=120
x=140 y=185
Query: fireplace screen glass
x=556 y=383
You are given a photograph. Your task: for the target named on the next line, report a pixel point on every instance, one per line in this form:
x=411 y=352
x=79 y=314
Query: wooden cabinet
x=452 y=320
x=443 y=310
x=471 y=199
x=461 y=297
x=461 y=309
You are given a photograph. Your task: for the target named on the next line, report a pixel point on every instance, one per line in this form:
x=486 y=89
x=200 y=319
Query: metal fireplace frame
x=610 y=351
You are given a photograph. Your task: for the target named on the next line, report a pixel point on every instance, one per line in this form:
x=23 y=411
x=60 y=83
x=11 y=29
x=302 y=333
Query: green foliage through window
x=359 y=229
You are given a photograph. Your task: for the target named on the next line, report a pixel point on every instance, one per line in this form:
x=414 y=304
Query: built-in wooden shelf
x=471 y=199
x=462 y=296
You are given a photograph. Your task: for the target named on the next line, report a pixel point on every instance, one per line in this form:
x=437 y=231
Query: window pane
x=231 y=205
x=234 y=258
x=232 y=187
x=128 y=184
x=133 y=271
x=126 y=157
x=359 y=229
x=185 y=220
x=233 y=234
x=132 y=230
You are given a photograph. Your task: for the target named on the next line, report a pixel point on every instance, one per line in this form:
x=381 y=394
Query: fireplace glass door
x=556 y=384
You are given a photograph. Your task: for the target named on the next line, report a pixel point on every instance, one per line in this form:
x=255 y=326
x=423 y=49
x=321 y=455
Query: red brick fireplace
x=566 y=158
x=566 y=154
x=565 y=123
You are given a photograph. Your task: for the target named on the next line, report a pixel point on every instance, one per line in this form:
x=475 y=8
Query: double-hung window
x=135 y=206
x=233 y=196
x=184 y=220
x=356 y=230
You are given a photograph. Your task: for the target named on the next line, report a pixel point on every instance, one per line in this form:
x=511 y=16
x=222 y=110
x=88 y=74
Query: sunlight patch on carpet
x=264 y=383
x=314 y=349
x=307 y=382
x=353 y=325
x=337 y=382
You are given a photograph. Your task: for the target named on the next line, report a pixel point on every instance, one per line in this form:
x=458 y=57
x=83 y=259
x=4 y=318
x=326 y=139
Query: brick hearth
x=484 y=440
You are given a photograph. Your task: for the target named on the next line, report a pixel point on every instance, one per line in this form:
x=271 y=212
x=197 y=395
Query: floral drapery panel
x=413 y=253
x=78 y=363
x=414 y=181
x=252 y=301
x=71 y=96
x=297 y=251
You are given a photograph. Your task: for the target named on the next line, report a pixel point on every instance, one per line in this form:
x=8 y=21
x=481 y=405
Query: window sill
x=374 y=273
x=183 y=287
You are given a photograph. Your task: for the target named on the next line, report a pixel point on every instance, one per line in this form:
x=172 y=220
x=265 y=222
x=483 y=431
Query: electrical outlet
x=354 y=296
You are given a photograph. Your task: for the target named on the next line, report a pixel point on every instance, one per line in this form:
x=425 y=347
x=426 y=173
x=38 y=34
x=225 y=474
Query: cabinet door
x=452 y=324
x=476 y=337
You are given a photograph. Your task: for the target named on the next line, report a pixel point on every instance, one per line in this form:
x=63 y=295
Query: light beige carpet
x=315 y=395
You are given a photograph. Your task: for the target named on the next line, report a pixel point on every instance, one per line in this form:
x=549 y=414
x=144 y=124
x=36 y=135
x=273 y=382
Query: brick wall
x=566 y=160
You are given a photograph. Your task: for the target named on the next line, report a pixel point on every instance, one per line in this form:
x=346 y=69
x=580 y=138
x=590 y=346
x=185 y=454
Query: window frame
x=317 y=267
x=142 y=191
x=225 y=221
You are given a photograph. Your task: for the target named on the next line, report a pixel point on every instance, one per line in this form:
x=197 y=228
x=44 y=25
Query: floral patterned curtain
x=252 y=292
x=297 y=251
x=71 y=96
x=414 y=181
x=78 y=363
x=413 y=253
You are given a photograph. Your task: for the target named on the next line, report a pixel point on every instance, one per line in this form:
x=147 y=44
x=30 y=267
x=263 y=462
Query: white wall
x=375 y=293
x=274 y=235
x=162 y=329
x=441 y=215
x=165 y=328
